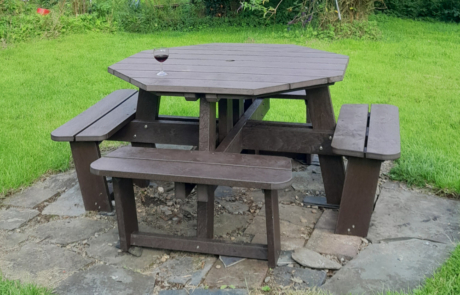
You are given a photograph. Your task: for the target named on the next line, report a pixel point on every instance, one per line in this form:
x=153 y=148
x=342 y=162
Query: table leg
x=225 y=117
x=148 y=107
x=93 y=188
x=238 y=110
x=205 y=193
x=322 y=117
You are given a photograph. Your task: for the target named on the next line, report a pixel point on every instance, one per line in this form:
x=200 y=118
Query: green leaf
x=266 y=288
x=232 y=287
x=223 y=287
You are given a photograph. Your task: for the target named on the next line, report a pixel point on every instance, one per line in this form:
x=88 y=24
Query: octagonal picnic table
x=230 y=74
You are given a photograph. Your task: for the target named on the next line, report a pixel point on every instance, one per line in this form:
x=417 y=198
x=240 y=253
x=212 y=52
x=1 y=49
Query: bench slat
x=384 y=141
x=108 y=125
x=350 y=133
x=198 y=167
x=68 y=131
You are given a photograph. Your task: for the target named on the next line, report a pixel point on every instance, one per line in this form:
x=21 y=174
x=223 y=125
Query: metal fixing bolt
x=353 y=226
x=145 y=126
x=134 y=135
x=321 y=148
x=330 y=137
x=349 y=230
x=198 y=247
x=95 y=204
x=99 y=207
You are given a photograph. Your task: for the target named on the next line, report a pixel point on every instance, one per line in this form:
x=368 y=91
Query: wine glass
x=161 y=54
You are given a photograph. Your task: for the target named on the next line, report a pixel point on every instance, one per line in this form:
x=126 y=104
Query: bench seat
x=207 y=170
x=198 y=167
x=367 y=139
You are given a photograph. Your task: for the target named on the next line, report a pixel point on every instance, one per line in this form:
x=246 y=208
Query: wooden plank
x=233 y=142
x=238 y=110
x=268 y=77
x=358 y=197
x=68 y=131
x=232 y=53
x=94 y=190
x=384 y=142
x=228 y=169
x=146 y=70
x=296 y=94
x=199 y=245
x=209 y=86
x=239 y=58
x=108 y=125
x=247 y=63
x=247 y=47
x=291 y=138
x=126 y=211
x=350 y=133
x=162 y=131
x=332 y=167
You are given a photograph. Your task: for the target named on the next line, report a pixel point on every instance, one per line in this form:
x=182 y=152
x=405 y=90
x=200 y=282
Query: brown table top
x=233 y=69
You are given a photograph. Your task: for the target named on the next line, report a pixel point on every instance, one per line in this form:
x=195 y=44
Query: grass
x=15 y=288
x=415 y=66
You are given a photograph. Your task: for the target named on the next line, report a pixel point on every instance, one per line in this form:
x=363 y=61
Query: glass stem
x=161 y=67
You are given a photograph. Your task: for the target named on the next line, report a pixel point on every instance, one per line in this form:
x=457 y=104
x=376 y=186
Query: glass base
x=162 y=73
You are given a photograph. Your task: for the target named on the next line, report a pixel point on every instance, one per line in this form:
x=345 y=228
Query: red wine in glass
x=161 y=58
x=161 y=54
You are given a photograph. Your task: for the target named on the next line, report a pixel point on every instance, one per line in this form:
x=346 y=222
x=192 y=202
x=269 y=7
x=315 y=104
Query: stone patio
x=49 y=239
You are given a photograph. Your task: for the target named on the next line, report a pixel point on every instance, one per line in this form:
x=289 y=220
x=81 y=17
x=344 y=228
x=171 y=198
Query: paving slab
x=395 y=266
x=42 y=190
x=297 y=215
x=185 y=270
x=230 y=261
x=234 y=207
x=11 y=240
x=287 y=229
x=70 y=203
x=312 y=259
x=103 y=248
x=328 y=221
x=66 y=231
x=13 y=218
x=403 y=214
x=223 y=192
x=285 y=258
x=246 y=274
x=307 y=180
x=341 y=246
x=106 y=280
x=299 y=278
x=41 y=264
x=287 y=243
x=228 y=223
x=205 y=292
x=257 y=195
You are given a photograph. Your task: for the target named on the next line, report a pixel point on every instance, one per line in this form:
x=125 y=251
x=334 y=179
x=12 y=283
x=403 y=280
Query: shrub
x=443 y=10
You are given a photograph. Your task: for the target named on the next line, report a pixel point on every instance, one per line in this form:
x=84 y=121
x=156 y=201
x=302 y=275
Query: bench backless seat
x=367 y=139
x=86 y=131
x=206 y=169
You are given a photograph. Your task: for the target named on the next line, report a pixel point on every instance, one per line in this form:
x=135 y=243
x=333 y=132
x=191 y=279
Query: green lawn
x=415 y=66
x=15 y=288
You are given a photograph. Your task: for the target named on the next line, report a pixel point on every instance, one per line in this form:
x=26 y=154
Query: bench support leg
x=273 y=227
x=322 y=117
x=93 y=188
x=205 y=211
x=126 y=210
x=358 y=196
x=308 y=117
